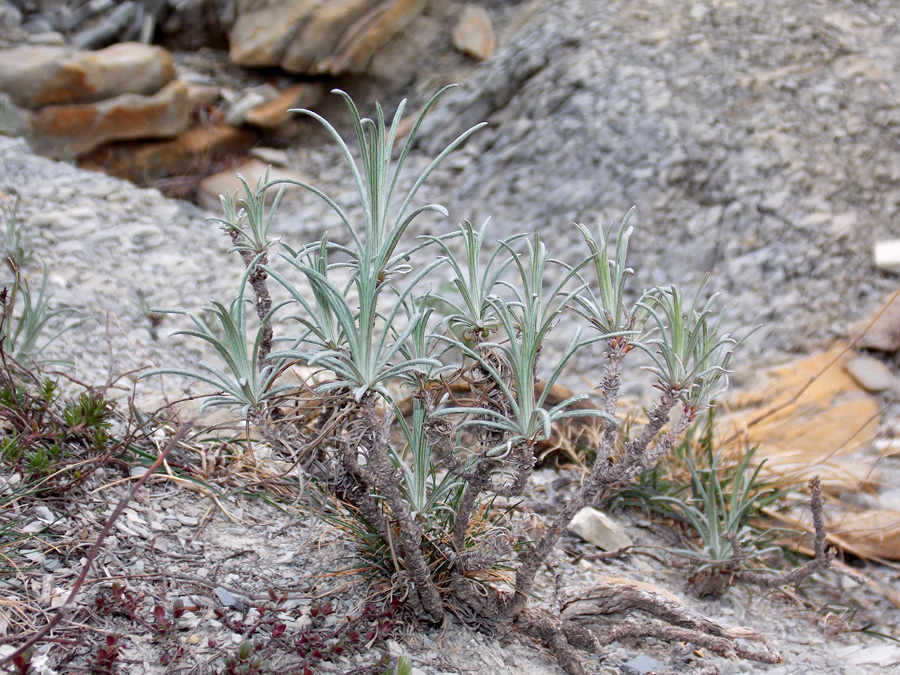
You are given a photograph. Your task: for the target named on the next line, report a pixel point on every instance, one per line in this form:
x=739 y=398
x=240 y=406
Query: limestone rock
x=227 y=181
x=14 y=121
x=309 y=36
x=275 y=113
x=808 y=417
x=263 y=30
x=74 y=130
x=474 y=32
x=880 y=330
x=271 y=156
x=372 y=30
x=870 y=373
x=597 y=528
x=39 y=76
x=189 y=153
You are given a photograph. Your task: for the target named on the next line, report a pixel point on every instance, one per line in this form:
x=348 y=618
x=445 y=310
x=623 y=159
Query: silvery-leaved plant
x=428 y=400
x=241 y=382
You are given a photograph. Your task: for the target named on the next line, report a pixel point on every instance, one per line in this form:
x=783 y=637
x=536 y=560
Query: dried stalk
x=386 y=479
x=257 y=281
x=821 y=560
x=95 y=549
x=602 y=475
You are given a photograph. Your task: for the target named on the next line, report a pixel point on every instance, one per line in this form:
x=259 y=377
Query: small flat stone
x=34 y=527
x=597 y=528
x=44 y=513
x=227 y=181
x=474 y=32
x=870 y=373
x=883 y=656
x=226 y=598
x=272 y=156
x=880 y=329
x=189 y=521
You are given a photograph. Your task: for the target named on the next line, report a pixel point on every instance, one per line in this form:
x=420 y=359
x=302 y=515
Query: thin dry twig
x=95 y=549
x=821 y=560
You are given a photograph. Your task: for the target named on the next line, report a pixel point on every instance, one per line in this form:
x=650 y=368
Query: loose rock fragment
x=642 y=664
x=73 y=130
x=226 y=598
x=887 y=255
x=38 y=76
x=872 y=374
x=598 y=529
x=474 y=32
x=880 y=329
x=274 y=114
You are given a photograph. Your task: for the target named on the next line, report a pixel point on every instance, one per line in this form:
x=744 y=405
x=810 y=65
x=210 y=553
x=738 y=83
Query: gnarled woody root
x=582 y=611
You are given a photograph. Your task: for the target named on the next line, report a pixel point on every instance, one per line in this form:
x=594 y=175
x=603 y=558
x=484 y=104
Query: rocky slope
x=759 y=146
x=758 y=143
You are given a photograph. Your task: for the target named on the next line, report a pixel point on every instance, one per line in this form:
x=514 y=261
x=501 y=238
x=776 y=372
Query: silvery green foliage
x=241 y=383
x=250 y=211
x=468 y=356
x=28 y=324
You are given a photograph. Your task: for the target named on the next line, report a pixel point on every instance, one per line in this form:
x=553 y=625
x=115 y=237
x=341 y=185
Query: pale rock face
x=73 y=130
x=264 y=28
x=38 y=76
x=315 y=36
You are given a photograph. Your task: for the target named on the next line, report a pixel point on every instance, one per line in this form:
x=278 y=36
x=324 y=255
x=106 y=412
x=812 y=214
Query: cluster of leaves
x=46 y=436
x=161 y=625
x=322 y=640
x=266 y=636
x=377 y=330
x=48 y=444
x=26 y=317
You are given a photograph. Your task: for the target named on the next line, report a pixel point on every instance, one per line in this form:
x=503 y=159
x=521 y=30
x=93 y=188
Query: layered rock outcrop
x=316 y=36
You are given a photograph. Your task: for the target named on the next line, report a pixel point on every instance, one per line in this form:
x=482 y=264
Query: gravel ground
x=758 y=141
